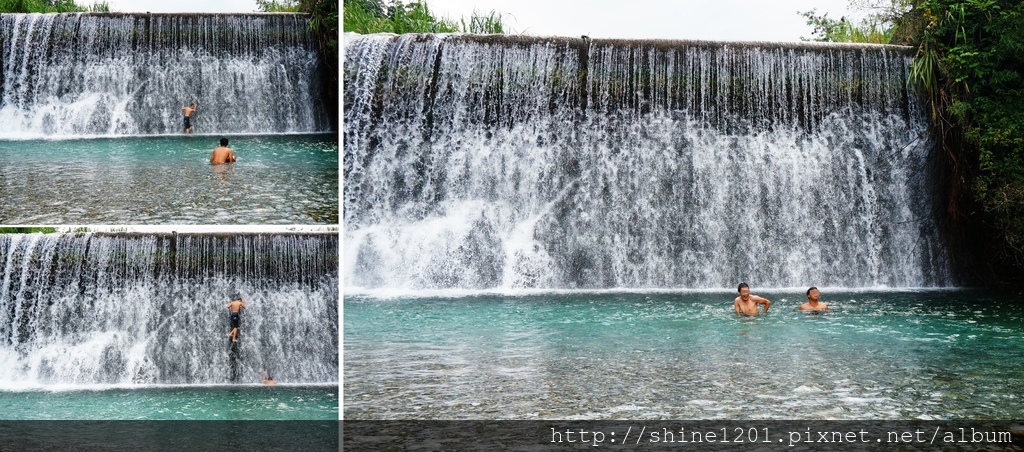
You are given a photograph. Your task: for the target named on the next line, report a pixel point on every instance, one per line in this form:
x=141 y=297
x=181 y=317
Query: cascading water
x=84 y=309
x=511 y=162
x=130 y=74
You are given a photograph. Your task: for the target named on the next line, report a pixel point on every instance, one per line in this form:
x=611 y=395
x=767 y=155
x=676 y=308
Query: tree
x=376 y=16
x=970 y=65
x=283 y=6
x=50 y=6
x=827 y=29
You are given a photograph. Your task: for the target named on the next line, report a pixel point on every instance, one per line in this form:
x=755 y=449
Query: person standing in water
x=187 y=111
x=747 y=303
x=222 y=154
x=268 y=379
x=812 y=301
x=236 y=308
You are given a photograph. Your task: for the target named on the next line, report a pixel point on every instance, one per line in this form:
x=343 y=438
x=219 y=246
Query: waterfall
x=509 y=162
x=83 y=309
x=130 y=74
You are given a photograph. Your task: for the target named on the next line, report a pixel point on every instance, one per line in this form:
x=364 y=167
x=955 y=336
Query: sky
x=179 y=6
x=712 y=20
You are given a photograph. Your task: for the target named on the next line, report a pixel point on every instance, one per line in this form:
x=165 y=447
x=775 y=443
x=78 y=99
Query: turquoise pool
x=244 y=402
x=278 y=179
x=934 y=354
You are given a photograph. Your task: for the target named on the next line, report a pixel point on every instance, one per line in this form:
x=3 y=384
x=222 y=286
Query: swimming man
x=187 y=111
x=812 y=301
x=236 y=307
x=222 y=154
x=747 y=303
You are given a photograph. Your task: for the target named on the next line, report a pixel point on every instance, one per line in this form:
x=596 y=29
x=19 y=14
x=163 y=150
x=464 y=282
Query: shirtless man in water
x=747 y=303
x=236 y=307
x=267 y=379
x=187 y=111
x=812 y=301
x=222 y=154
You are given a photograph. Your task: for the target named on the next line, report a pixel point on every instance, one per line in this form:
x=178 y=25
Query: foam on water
x=24 y=386
x=398 y=293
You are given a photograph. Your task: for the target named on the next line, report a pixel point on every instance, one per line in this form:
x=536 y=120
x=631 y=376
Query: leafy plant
x=283 y=6
x=970 y=65
x=323 y=24
x=27 y=230
x=376 y=16
x=826 y=29
x=50 y=6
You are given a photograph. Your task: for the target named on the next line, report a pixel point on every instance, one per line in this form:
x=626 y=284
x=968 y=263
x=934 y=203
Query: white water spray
x=483 y=162
x=86 y=309
x=130 y=74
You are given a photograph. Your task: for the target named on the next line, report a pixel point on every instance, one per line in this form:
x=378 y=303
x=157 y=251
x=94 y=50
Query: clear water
x=252 y=402
x=278 y=179
x=876 y=355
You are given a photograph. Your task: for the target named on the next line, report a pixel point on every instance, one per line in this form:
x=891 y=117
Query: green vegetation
x=284 y=6
x=970 y=67
x=970 y=63
x=826 y=29
x=11 y=230
x=884 y=22
x=50 y=230
x=377 y=16
x=323 y=23
x=50 y=6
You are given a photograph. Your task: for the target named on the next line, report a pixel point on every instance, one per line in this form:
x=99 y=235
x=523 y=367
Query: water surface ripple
x=876 y=355
x=278 y=179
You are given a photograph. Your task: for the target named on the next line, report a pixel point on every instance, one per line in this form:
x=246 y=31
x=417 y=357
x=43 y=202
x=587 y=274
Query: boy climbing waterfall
x=236 y=307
